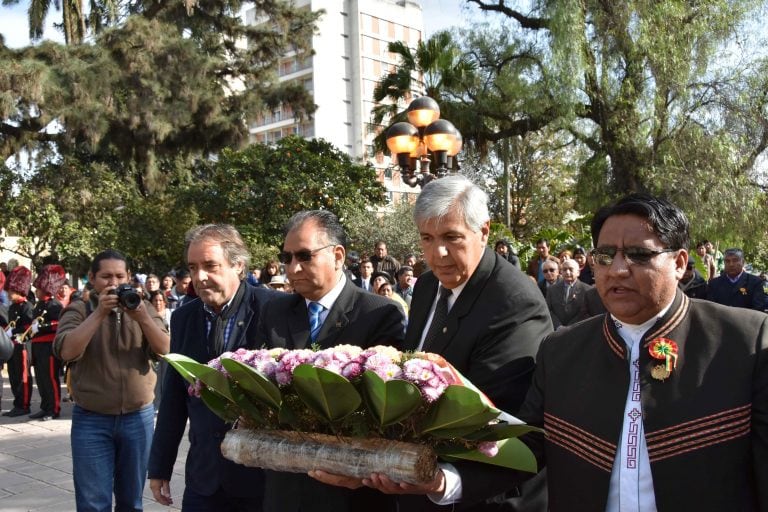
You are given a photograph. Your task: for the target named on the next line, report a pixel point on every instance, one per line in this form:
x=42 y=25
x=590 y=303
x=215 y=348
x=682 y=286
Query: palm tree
x=75 y=24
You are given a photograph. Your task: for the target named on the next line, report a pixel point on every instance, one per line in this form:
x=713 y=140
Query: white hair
x=452 y=193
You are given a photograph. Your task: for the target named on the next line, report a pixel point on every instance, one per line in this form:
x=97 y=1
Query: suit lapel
x=426 y=287
x=337 y=317
x=298 y=324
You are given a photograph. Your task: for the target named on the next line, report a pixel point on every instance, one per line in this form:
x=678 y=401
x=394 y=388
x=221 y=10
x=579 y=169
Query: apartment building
x=350 y=58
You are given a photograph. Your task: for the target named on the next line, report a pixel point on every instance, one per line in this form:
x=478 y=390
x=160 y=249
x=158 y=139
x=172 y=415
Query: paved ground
x=36 y=463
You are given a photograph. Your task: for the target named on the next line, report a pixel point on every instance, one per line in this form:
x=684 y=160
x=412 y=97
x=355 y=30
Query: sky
x=438 y=15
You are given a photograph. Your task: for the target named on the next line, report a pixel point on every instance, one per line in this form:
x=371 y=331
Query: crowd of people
x=651 y=398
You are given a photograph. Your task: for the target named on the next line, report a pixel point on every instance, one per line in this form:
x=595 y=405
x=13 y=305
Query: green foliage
x=262 y=186
x=365 y=227
x=169 y=82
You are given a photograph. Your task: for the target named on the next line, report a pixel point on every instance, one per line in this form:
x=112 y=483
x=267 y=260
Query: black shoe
x=39 y=415
x=49 y=417
x=16 y=412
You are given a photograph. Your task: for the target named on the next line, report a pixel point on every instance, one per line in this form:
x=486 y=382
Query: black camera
x=127 y=296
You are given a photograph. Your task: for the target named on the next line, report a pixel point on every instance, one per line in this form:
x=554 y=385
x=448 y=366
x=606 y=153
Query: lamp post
x=424 y=133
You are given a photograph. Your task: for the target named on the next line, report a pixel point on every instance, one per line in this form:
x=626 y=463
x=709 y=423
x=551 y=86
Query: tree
x=166 y=84
x=258 y=188
x=366 y=227
x=635 y=78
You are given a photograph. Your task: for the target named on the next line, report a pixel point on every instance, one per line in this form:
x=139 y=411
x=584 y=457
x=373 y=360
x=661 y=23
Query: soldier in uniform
x=47 y=367
x=20 y=317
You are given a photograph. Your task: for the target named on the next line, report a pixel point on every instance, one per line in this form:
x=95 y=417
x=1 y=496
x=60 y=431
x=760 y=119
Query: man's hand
x=161 y=490
x=381 y=483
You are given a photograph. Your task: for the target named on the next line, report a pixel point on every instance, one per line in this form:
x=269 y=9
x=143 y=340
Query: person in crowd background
x=404 y=285
x=179 y=292
x=735 y=286
x=535 y=266
x=566 y=297
x=20 y=317
x=692 y=284
x=551 y=271
x=585 y=269
x=42 y=332
x=382 y=261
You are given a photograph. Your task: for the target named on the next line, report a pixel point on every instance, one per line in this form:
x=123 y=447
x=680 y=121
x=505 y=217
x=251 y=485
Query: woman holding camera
x=110 y=344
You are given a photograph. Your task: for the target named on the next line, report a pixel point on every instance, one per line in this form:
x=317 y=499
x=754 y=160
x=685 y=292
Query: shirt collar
x=632 y=332
x=210 y=310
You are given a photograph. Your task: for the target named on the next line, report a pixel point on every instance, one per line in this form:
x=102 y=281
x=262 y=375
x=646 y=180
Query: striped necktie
x=315 y=309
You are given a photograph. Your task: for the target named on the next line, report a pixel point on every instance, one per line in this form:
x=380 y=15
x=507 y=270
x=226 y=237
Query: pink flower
x=288 y=362
x=488 y=448
x=195 y=389
x=427 y=376
x=383 y=366
x=352 y=370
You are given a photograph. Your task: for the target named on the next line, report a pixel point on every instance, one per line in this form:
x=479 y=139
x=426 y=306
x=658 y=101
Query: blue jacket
x=206 y=469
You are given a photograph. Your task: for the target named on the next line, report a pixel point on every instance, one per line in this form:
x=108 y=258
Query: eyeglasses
x=548 y=270
x=632 y=255
x=303 y=256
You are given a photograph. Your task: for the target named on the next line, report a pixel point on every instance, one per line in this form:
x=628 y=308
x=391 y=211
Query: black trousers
x=19 y=377
x=47 y=372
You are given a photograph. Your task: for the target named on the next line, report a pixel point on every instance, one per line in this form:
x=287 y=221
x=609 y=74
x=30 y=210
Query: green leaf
x=247 y=408
x=329 y=395
x=391 y=401
x=255 y=384
x=220 y=406
x=459 y=408
x=513 y=454
x=501 y=431
x=211 y=377
x=183 y=365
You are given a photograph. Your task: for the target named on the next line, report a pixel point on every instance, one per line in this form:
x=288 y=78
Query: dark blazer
x=747 y=292
x=706 y=425
x=592 y=305
x=493 y=333
x=566 y=312
x=206 y=469
x=356 y=318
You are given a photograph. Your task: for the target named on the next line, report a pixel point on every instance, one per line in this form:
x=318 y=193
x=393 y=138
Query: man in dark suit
x=566 y=297
x=483 y=315
x=551 y=271
x=735 y=287
x=224 y=317
x=662 y=404
x=326 y=310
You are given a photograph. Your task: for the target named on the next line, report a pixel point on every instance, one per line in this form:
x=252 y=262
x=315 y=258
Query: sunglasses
x=302 y=256
x=632 y=255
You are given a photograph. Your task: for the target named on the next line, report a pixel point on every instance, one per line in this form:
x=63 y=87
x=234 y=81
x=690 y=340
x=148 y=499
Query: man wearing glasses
x=326 y=310
x=660 y=404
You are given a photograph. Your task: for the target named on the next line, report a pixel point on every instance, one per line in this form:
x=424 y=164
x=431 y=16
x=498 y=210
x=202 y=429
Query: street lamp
x=424 y=133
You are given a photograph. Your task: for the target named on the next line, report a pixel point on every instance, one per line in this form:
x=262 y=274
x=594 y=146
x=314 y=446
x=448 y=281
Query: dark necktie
x=315 y=308
x=438 y=319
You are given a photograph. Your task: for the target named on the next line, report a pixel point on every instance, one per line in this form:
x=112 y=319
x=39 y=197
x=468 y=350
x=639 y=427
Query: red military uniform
x=47 y=366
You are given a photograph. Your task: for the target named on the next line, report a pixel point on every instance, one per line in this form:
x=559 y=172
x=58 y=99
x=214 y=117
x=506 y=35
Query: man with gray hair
x=483 y=315
x=735 y=287
x=223 y=318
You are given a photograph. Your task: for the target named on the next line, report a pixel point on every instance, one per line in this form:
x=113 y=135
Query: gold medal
x=660 y=372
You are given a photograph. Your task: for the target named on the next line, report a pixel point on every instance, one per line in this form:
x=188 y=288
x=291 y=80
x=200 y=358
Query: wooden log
x=299 y=452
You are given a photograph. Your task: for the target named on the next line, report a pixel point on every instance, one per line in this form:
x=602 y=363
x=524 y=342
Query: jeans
x=110 y=452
